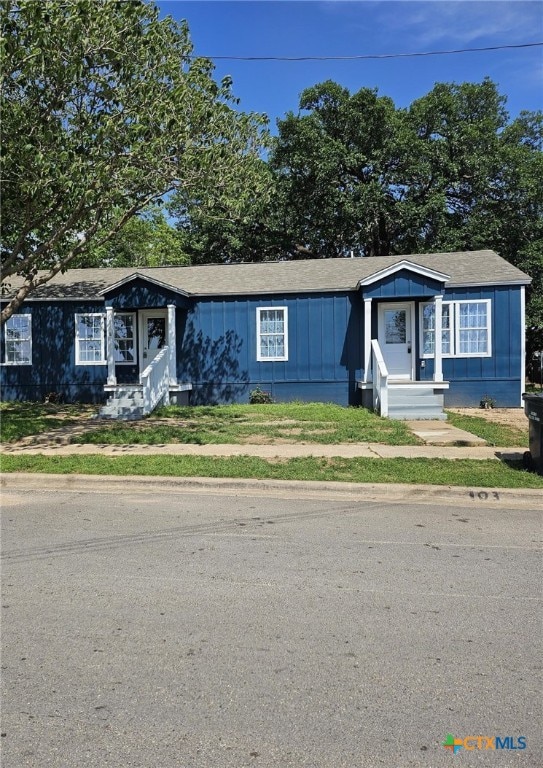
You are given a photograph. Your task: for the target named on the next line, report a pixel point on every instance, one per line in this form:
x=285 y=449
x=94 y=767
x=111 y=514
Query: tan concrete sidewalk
x=441 y=439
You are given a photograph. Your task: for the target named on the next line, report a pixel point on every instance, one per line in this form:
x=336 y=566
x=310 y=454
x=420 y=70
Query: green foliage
x=460 y=472
x=146 y=240
x=18 y=420
x=494 y=433
x=324 y=423
x=259 y=396
x=103 y=113
x=354 y=174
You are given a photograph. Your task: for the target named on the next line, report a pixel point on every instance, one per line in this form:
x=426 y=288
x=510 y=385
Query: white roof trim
x=134 y=276
x=404 y=264
x=490 y=283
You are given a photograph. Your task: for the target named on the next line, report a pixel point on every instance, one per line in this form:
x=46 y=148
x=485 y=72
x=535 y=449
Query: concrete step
x=124 y=414
x=402 y=398
x=126 y=402
x=419 y=413
x=122 y=391
x=411 y=391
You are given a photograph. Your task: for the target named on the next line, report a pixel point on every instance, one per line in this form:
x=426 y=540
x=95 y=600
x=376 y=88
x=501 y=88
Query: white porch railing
x=155 y=381
x=380 y=379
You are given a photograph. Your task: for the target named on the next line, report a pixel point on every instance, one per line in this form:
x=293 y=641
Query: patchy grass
x=323 y=423
x=18 y=420
x=493 y=432
x=463 y=472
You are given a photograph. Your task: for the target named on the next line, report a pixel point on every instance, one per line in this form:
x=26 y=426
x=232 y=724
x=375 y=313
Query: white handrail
x=380 y=379
x=155 y=381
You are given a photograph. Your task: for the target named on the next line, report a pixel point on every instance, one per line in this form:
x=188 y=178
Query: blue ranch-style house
x=406 y=335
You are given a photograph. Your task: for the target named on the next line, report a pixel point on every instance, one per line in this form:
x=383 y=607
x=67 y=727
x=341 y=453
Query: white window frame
x=134 y=339
x=28 y=339
x=259 y=335
x=454 y=315
x=102 y=360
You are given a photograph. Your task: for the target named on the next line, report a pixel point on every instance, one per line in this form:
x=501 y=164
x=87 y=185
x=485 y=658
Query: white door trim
x=143 y=314
x=409 y=373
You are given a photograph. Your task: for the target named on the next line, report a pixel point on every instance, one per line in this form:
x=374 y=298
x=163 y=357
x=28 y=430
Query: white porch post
x=172 y=348
x=438 y=349
x=110 y=347
x=522 y=343
x=367 y=340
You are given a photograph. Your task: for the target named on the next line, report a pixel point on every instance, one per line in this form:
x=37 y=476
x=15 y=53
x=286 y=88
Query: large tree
x=146 y=240
x=335 y=163
x=452 y=172
x=104 y=111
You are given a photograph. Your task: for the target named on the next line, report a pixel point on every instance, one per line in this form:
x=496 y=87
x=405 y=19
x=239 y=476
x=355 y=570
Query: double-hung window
x=90 y=347
x=18 y=340
x=125 y=338
x=272 y=333
x=465 y=328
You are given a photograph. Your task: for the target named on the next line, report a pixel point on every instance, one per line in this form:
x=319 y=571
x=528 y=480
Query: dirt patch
x=510 y=417
x=264 y=440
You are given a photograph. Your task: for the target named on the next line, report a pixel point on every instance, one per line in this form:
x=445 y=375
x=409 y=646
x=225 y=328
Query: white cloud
x=460 y=23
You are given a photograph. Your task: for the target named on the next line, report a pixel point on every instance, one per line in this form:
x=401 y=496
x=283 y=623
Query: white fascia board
x=489 y=283
x=432 y=274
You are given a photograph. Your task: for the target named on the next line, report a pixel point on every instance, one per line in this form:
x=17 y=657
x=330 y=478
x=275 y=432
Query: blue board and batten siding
x=53 y=366
x=403 y=284
x=217 y=344
x=216 y=351
x=498 y=376
x=219 y=350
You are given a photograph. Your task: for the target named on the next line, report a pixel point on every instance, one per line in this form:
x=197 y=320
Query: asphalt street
x=181 y=629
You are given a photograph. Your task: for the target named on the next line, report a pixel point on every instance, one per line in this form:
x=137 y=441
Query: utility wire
x=366 y=56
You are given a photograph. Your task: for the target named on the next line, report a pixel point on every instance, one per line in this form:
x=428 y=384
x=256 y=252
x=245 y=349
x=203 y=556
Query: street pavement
x=158 y=625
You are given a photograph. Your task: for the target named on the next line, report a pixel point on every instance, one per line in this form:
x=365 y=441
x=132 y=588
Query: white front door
x=153 y=334
x=395 y=336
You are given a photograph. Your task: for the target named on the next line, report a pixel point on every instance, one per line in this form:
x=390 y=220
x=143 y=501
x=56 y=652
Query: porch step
x=126 y=403
x=402 y=413
x=415 y=402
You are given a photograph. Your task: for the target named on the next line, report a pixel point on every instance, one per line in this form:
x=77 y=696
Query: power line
x=367 y=55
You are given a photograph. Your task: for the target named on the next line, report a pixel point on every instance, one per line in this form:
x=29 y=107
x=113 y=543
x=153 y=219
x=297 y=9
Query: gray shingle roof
x=315 y=275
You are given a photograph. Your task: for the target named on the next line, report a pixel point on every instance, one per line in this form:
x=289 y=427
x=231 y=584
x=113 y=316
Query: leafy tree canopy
x=353 y=174
x=104 y=112
x=146 y=240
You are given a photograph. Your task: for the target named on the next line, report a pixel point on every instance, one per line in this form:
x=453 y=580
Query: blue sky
x=357 y=27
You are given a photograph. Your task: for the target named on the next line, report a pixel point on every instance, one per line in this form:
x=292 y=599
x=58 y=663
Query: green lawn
x=464 y=472
x=18 y=420
x=494 y=433
x=291 y=422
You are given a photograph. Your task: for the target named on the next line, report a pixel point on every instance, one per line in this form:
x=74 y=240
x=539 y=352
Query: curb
x=489 y=497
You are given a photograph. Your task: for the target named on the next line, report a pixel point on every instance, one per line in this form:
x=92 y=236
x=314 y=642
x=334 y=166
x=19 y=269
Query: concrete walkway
x=441 y=439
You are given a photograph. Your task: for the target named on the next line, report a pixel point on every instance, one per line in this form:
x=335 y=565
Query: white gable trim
x=440 y=277
x=134 y=276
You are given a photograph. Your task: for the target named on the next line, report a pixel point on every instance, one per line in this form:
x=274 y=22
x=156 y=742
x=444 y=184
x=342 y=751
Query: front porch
x=141 y=347
x=403 y=325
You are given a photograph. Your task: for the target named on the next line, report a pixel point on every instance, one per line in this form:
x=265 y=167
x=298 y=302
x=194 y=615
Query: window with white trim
x=90 y=339
x=124 y=327
x=465 y=328
x=272 y=333
x=18 y=340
